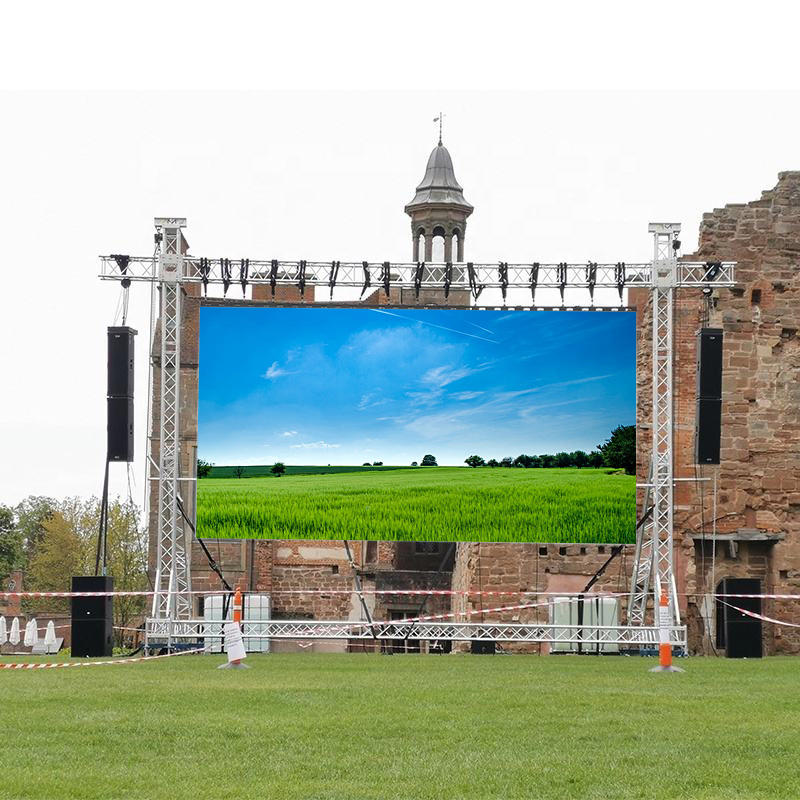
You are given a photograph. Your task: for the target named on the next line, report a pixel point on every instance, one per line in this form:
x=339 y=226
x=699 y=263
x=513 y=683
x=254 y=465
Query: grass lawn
x=430 y=504
x=368 y=726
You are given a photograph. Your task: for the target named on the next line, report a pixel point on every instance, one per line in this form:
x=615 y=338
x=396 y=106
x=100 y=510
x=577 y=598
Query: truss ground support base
x=231 y=665
x=666 y=669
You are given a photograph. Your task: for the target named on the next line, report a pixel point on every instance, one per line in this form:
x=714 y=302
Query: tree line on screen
x=618 y=452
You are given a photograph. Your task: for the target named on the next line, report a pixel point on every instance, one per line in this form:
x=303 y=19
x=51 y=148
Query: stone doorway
x=737 y=633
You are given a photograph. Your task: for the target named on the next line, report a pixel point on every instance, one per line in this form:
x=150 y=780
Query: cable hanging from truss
x=365 y=267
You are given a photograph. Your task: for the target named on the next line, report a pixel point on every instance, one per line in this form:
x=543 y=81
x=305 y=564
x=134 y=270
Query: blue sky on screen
x=345 y=386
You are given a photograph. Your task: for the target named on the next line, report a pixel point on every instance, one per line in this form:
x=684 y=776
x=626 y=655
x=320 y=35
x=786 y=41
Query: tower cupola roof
x=439 y=185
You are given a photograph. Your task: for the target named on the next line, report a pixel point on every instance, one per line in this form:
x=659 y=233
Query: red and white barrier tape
x=403 y=592
x=61 y=664
x=759 y=616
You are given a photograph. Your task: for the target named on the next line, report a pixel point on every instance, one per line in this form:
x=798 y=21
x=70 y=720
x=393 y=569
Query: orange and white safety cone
x=234 y=644
x=664 y=644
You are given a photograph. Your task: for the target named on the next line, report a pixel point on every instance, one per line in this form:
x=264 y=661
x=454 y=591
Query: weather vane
x=439 y=120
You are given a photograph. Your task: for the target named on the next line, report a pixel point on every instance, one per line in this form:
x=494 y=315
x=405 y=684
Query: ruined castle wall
x=758 y=480
x=759 y=475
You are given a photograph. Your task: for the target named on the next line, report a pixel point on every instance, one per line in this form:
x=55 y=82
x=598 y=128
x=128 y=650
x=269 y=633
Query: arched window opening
x=457 y=248
x=438 y=244
x=419 y=245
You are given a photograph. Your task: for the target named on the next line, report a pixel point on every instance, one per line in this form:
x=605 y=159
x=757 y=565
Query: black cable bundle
x=333 y=276
x=365 y=267
x=534 y=279
x=205 y=271
x=225 y=263
x=244 y=270
x=301 y=278
x=418 y=272
x=273 y=276
x=386 y=277
x=448 y=278
x=473 y=281
x=502 y=271
x=591 y=278
x=619 y=278
x=562 y=279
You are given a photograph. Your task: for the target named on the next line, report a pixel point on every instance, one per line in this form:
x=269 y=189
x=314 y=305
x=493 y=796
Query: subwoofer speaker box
x=120 y=428
x=483 y=648
x=120 y=362
x=709 y=431
x=92 y=618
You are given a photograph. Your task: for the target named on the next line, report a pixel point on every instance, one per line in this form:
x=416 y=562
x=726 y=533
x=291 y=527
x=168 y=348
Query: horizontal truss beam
x=378 y=275
x=167 y=630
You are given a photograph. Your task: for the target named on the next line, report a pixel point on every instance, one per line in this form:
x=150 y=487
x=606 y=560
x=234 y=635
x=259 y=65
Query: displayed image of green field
x=388 y=503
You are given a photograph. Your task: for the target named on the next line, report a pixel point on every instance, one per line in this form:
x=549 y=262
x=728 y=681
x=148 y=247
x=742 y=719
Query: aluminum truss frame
x=172 y=586
x=168 y=631
x=530 y=276
x=170 y=268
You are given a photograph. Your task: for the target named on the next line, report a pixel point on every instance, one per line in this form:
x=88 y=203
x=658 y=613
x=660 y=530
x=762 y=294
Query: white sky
x=302 y=133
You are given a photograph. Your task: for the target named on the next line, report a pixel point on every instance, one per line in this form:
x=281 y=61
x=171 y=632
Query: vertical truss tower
x=172 y=598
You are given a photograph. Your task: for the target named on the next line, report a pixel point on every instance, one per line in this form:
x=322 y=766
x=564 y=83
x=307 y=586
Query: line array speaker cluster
x=120 y=393
x=709 y=396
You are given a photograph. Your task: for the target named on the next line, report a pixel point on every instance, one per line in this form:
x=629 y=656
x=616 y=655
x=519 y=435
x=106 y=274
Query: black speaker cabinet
x=709 y=363
x=120 y=428
x=481 y=647
x=709 y=430
x=120 y=362
x=92 y=618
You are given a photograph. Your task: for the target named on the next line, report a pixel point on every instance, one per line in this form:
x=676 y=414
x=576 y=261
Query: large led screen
x=437 y=425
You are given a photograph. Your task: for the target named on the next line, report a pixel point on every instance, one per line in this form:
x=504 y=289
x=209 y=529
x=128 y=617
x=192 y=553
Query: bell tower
x=438 y=212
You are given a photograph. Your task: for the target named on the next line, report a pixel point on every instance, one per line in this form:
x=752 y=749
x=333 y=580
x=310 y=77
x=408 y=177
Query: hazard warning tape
x=759 y=616
x=62 y=664
x=399 y=592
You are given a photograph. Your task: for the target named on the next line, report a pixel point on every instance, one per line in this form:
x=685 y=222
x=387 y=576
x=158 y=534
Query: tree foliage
x=12 y=553
x=32 y=513
x=68 y=546
x=429 y=461
x=278 y=468
x=619 y=451
x=203 y=468
x=474 y=461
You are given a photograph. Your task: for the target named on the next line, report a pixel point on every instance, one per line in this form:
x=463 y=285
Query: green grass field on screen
x=424 y=504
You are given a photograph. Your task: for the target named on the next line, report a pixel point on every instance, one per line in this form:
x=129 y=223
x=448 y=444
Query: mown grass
x=432 y=504
x=370 y=727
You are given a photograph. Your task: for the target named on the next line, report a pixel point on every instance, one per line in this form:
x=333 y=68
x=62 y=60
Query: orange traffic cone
x=664 y=645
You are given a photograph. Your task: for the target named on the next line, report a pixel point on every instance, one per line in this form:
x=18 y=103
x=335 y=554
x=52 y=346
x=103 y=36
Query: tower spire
x=439 y=120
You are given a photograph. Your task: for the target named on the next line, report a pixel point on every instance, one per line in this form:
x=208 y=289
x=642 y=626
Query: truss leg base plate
x=231 y=665
x=667 y=669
